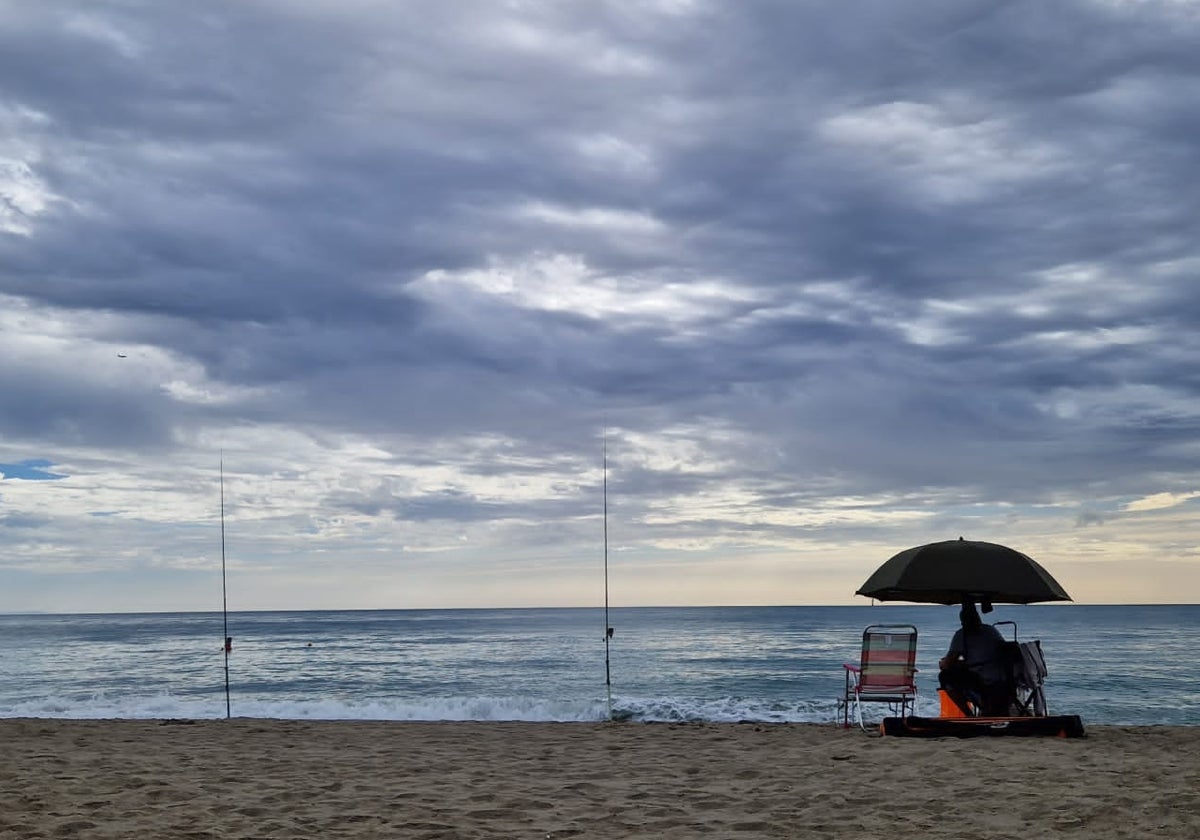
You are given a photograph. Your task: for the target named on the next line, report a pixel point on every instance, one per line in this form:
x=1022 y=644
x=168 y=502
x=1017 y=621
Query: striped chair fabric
x=886 y=672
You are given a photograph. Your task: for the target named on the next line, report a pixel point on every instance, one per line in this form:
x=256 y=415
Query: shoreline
x=269 y=778
x=832 y=726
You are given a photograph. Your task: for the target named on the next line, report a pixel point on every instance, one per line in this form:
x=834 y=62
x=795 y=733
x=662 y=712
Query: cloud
x=1090 y=517
x=836 y=280
x=1159 y=501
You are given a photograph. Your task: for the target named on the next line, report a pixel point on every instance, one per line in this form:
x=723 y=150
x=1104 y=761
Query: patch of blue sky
x=30 y=470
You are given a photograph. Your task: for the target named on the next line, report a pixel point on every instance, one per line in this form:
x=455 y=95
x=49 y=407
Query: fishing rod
x=608 y=630
x=228 y=645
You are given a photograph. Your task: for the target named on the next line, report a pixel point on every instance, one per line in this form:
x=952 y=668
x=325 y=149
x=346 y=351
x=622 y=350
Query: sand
x=298 y=779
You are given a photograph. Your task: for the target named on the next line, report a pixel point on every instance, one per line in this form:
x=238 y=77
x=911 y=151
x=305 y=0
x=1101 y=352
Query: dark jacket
x=982 y=649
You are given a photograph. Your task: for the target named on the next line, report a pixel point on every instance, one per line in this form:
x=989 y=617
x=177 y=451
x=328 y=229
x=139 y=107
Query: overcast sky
x=838 y=279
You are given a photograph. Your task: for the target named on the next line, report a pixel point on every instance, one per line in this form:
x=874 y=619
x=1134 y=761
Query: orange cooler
x=949 y=709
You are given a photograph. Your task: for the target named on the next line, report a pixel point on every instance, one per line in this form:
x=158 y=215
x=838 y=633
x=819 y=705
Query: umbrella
x=955 y=571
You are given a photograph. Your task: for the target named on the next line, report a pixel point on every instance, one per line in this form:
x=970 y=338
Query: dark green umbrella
x=956 y=571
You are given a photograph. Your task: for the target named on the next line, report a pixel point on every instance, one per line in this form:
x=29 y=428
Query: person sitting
x=973 y=670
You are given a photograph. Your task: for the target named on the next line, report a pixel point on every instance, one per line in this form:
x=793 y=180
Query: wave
x=647 y=709
x=511 y=708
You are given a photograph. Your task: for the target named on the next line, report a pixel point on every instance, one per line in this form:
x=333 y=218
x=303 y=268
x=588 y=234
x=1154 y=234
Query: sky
x=401 y=288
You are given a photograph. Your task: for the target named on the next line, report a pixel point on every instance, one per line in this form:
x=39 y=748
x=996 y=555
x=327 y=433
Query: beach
x=250 y=778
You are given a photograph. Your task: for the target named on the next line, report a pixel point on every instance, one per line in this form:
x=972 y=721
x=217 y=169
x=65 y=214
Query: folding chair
x=1027 y=670
x=886 y=672
x=1029 y=675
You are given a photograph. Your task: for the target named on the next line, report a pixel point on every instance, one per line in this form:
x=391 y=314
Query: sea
x=1108 y=664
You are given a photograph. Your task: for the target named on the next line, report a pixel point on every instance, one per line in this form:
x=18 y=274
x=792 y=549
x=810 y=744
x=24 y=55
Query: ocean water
x=1109 y=664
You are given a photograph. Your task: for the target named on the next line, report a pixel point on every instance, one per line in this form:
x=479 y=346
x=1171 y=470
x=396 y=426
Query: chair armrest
x=856 y=669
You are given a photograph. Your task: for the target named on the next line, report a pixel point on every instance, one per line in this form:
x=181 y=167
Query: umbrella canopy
x=960 y=570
